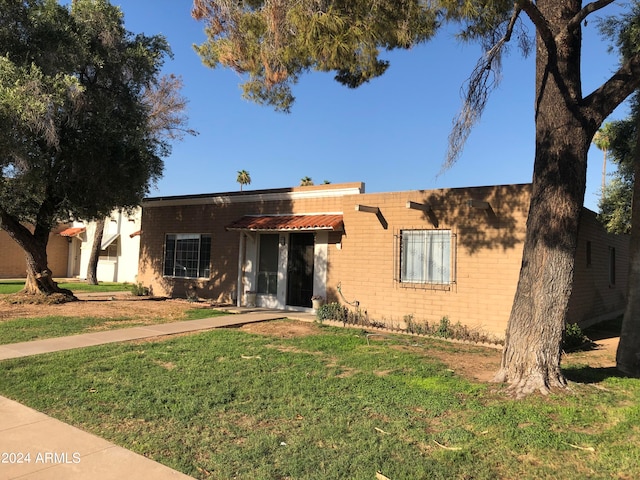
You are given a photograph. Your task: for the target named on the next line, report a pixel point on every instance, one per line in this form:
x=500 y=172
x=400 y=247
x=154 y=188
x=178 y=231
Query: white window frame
x=426 y=257
x=270 y=277
x=201 y=271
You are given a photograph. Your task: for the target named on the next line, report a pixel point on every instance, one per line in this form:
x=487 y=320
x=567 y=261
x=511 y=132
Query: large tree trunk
x=531 y=357
x=39 y=278
x=628 y=354
x=92 y=269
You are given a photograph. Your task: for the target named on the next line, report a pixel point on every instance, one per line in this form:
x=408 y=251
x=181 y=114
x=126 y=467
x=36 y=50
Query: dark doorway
x=300 y=269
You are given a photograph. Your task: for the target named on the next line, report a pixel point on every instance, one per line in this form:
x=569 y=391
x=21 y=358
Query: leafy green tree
x=166 y=119
x=306 y=182
x=615 y=203
x=274 y=42
x=76 y=136
x=243 y=178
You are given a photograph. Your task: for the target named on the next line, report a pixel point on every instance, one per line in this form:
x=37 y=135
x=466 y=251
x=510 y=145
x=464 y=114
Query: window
x=187 y=255
x=268 y=264
x=110 y=253
x=425 y=256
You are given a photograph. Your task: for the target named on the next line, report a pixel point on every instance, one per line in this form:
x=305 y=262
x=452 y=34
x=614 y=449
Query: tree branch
x=586 y=11
x=542 y=27
x=14 y=229
x=480 y=86
x=601 y=102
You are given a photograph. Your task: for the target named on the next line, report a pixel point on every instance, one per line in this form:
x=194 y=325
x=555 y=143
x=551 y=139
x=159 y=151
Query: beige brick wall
x=364 y=259
x=594 y=297
x=12 y=260
x=211 y=217
x=488 y=245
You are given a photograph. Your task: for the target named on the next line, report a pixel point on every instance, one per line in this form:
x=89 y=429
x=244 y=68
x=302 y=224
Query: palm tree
x=601 y=141
x=306 y=181
x=243 y=178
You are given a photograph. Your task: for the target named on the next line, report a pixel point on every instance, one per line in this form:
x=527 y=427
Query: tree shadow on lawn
x=591 y=375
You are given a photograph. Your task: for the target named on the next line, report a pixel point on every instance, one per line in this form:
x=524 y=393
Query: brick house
x=13 y=263
x=429 y=254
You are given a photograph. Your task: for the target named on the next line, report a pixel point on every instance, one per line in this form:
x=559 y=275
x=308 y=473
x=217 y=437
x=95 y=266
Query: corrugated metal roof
x=288 y=222
x=72 y=232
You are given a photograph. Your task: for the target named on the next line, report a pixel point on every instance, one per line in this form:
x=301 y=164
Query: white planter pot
x=249 y=299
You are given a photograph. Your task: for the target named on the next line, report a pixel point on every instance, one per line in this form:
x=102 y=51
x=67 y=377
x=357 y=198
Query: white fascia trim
x=256 y=198
x=291 y=214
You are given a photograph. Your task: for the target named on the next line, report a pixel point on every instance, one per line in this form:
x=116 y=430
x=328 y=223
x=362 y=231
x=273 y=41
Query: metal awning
x=288 y=223
x=72 y=232
x=108 y=241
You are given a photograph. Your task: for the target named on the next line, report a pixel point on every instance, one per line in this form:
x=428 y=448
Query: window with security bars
x=426 y=257
x=187 y=255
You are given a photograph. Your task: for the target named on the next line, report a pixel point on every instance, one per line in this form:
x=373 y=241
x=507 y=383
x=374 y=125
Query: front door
x=300 y=269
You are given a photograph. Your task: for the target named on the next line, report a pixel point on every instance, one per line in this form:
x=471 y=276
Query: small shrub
x=340 y=313
x=574 y=337
x=332 y=311
x=139 y=290
x=415 y=327
x=444 y=329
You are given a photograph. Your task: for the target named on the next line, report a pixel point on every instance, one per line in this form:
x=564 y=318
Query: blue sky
x=390 y=134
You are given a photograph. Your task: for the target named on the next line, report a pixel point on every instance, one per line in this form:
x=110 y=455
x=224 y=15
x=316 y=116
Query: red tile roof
x=72 y=232
x=288 y=222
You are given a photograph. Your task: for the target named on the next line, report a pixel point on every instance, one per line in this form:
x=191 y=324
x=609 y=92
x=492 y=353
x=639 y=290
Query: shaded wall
x=210 y=214
x=488 y=225
x=601 y=275
x=12 y=259
x=487 y=251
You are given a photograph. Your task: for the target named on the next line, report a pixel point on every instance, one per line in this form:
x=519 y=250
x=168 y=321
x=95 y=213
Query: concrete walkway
x=24 y=349
x=34 y=446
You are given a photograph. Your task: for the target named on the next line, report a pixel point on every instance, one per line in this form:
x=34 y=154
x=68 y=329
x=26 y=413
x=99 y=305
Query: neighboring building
x=119 y=251
x=429 y=254
x=12 y=257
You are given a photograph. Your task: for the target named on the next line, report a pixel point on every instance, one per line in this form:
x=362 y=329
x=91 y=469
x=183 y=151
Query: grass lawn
x=14 y=286
x=27 y=329
x=330 y=405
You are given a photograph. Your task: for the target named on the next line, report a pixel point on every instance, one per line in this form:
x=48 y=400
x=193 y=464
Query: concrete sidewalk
x=24 y=349
x=34 y=446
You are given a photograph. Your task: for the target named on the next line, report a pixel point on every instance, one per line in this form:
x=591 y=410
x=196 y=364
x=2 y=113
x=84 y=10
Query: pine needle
x=588 y=449
x=445 y=447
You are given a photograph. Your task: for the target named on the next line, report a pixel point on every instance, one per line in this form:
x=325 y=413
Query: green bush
x=444 y=329
x=340 y=313
x=139 y=290
x=574 y=337
x=332 y=311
